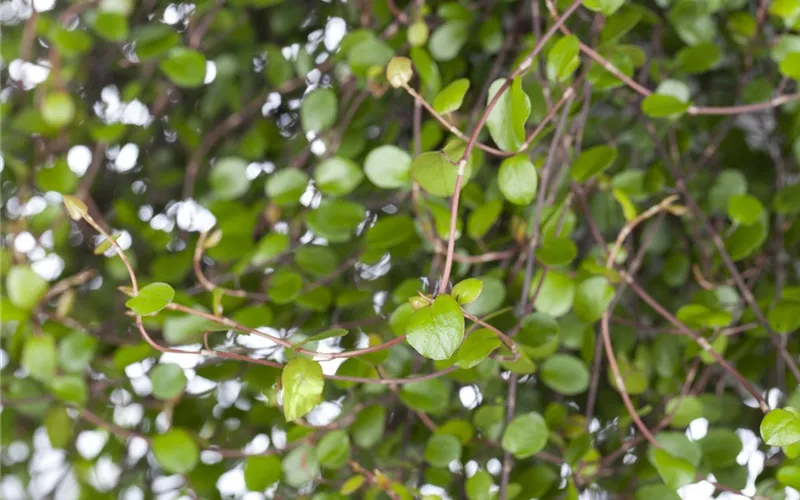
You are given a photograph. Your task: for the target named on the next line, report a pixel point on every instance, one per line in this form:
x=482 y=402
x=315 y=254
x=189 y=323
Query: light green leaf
x=745 y=209
x=261 y=472
x=538 y=335
x=556 y=251
x=176 y=451
x=447 y=40
x=300 y=466
x=606 y=7
x=388 y=167
x=506 y=121
x=39 y=357
x=337 y=176
x=556 y=293
x=675 y=472
x=517 y=180
x=467 y=291
x=442 y=449
x=481 y=220
x=112 y=26
x=436 y=171
x=390 y=231
x=436 y=331
x=228 y=178
x=318 y=110
x=24 y=287
x=450 y=98
x=286 y=186
x=368 y=428
x=151 y=299
x=592 y=298
x=663 y=106
x=563 y=60
x=476 y=348
x=76 y=350
x=284 y=286
x=58 y=109
x=70 y=388
x=785 y=316
x=168 y=380
x=565 y=374
x=780 y=428
x=699 y=58
x=184 y=67
x=790 y=66
x=593 y=162
x=526 y=435
x=333 y=450
x=302 y=383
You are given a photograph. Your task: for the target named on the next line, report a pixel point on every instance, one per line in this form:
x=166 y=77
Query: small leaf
x=563 y=60
x=112 y=26
x=168 y=380
x=476 y=348
x=176 y=451
x=592 y=162
x=70 y=388
x=58 y=109
x=675 y=472
x=39 y=357
x=744 y=209
x=447 y=40
x=302 y=383
x=388 y=167
x=151 y=299
x=556 y=251
x=435 y=171
x=467 y=291
x=184 y=67
x=663 y=106
x=228 y=178
x=506 y=121
x=261 y=472
x=436 y=331
x=76 y=350
x=450 y=98
x=399 y=71
x=699 y=58
x=592 y=298
x=517 y=180
x=565 y=374
x=442 y=449
x=24 y=287
x=333 y=450
x=352 y=485
x=785 y=316
x=286 y=186
x=606 y=7
x=318 y=110
x=780 y=428
x=337 y=176
x=790 y=66
x=526 y=435
x=76 y=208
x=327 y=334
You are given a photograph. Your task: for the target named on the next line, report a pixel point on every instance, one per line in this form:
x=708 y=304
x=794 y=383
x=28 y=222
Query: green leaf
x=563 y=60
x=390 y=231
x=284 y=286
x=24 y=287
x=228 y=178
x=300 y=466
x=337 y=176
x=75 y=351
x=399 y=71
x=153 y=40
x=745 y=240
x=450 y=98
x=261 y=472
x=565 y=374
x=302 y=383
x=593 y=162
x=677 y=445
x=429 y=396
x=699 y=58
x=58 y=109
x=785 y=316
x=168 y=380
x=745 y=209
x=698 y=315
x=368 y=428
x=780 y=428
x=442 y=449
x=436 y=172
x=787 y=200
x=675 y=472
x=467 y=291
x=318 y=110
x=481 y=220
x=721 y=447
x=592 y=298
x=517 y=180
x=686 y=409
x=556 y=293
x=789 y=475
x=75 y=207
x=184 y=67
x=335 y=220
x=476 y=348
x=327 y=334
x=605 y=7
x=447 y=40
x=388 y=167
x=151 y=299
x=556 y=251
x=70 y=388
x=176 y=451
x=59 y=427
x=286 y=186
x=663 y=106
x=790 y=66
x=479 y=486
x=506 y=121
x=436 y=331
x=277 y=69
x=538 y=335
x=112 y=26
x=352 y=485
x=333 y=450
x=526 y=435
x=39 y=357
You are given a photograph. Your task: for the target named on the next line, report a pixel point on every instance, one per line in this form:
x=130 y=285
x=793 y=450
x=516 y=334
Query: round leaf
x=436 y=331
x=151 y=299
x=176 y=451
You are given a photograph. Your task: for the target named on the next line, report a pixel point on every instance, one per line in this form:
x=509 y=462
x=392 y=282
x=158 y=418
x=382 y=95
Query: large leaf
x=436 y=331
x=302 y=383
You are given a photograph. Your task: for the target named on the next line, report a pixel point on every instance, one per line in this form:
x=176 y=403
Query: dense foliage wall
x=400 y=249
